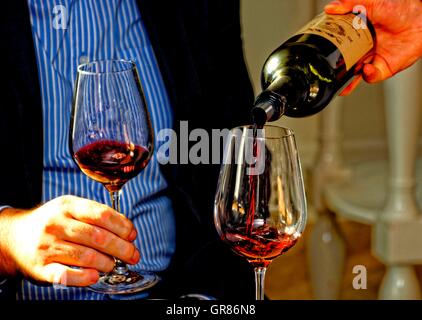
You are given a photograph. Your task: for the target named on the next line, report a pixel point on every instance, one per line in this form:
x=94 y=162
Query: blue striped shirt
x=98 y=30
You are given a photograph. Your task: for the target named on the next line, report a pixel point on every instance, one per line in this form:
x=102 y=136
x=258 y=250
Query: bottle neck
x=287 y=91
x=269 y=106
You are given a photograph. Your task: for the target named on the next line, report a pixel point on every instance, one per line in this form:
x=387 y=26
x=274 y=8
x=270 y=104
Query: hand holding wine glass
x=260 y=206
x=43 y=243
x=112 y=141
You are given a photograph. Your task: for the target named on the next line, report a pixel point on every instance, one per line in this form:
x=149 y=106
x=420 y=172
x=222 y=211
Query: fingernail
x=136 y=256
x=370 y=73
x=94 y=276
x=132 y=235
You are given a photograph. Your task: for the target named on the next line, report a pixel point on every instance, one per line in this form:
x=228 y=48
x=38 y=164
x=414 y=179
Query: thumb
x=377 y=71
x=338 y=7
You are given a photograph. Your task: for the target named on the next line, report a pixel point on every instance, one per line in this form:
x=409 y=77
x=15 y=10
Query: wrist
x=8 y=219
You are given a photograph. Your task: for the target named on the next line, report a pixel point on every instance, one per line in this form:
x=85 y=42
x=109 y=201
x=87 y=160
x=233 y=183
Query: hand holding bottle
x=398 y=26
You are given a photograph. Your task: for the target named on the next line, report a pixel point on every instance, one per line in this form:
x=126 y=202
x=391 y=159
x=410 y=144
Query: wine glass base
x=130 y=282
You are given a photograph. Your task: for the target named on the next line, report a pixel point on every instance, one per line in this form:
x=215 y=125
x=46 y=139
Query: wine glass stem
x=119 y=266
x=259 y=282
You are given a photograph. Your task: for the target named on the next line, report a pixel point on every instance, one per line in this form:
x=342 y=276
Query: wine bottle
x=303 y=75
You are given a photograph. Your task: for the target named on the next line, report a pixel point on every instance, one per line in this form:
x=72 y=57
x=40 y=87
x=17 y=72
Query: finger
x=99 y=239
x=60 y=274
x=377 y=71
x=339 y=7
x=102 y=216
x=72 y=254
x=352 y=86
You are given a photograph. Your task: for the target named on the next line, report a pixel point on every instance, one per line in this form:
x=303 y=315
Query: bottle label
x=354 y=40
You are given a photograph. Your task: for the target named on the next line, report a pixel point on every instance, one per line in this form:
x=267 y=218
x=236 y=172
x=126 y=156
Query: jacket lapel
x=21 y=120
x=168 y=35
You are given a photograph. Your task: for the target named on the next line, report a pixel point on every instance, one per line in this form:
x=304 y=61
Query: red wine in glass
x=261 y=245
x=112 y=163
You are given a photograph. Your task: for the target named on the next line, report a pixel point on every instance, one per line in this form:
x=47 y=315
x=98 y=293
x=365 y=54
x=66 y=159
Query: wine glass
x=111 y=140
x=260 y=204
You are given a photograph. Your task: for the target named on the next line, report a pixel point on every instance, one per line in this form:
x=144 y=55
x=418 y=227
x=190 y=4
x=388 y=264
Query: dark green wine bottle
x=303 y=75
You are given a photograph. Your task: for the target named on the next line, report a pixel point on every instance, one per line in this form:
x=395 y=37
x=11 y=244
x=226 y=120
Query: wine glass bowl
x=111 y=140
x=111 y=132
x=260 y=205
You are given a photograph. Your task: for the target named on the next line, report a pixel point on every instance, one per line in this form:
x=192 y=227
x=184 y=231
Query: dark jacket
x=199 y=50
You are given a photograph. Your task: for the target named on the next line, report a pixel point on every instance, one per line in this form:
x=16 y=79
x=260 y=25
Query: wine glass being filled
x=260 y=204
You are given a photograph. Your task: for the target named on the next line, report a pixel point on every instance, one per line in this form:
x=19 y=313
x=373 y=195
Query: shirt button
x=83 y=59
